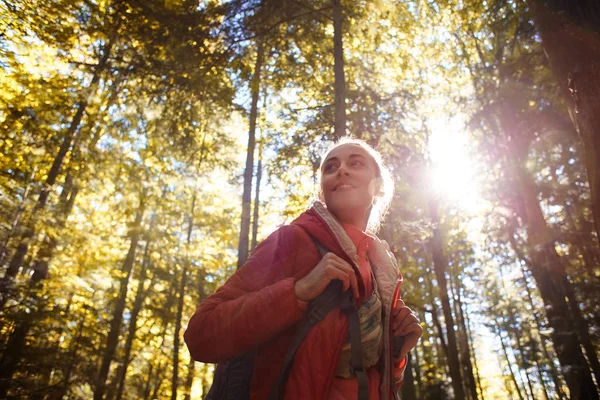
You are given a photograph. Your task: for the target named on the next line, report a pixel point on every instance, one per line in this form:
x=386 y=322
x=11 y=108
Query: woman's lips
x=342 y=187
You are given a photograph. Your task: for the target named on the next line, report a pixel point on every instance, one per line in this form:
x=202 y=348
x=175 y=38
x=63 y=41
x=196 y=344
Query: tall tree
x=440 y=265
x=117 y=315
x=340 y=76
x=256 y=213
x=180 y=302
x=249 y=169
x=570 y=34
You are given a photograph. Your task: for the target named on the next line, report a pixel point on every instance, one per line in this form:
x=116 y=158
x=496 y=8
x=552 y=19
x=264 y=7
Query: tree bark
x=248 y=172
x=140 y=295
x=436 y=322
x=338 y=68
x=465 y=346
x=570 y=32
x=440 y=265
x=257 y=196
x=176 y=339
x=189 y=380
x=117 y=319
x=470 y=340
x=175 y=376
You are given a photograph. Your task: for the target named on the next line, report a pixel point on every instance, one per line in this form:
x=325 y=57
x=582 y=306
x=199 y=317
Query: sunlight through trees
x=146 y=147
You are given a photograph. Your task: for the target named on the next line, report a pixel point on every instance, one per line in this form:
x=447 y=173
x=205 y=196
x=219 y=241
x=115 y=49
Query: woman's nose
x=342 y=170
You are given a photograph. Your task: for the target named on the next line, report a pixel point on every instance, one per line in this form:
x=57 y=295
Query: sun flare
x=454 y=172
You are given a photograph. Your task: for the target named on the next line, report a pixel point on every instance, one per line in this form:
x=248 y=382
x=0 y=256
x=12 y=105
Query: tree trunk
x=148 y=381
x=12 y=354
x=189 y=380
x=408 y=387
x=440 y=265
x=512 y=331
x=570 y=32
x=257 y=196
x=158 y=380
x=465 y=346
x=150 y=389
x=512 y=374
x=470 y=340
x=140 y=295
x=64 y=387
x=583 y=331
x=175 y=376
x=17 y=341
x=338 y=68
x=46 y=252
x=16 y=220
x=115 y=324
x=548 y=271
x=67 y=198
x=247 y=194
x=416 y=366
x=539 y=325
x=443 y=359
x=184 y=273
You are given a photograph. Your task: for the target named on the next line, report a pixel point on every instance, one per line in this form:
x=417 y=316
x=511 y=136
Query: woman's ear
x=379 y=187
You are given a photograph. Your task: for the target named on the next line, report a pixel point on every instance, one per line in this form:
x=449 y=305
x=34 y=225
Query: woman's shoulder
x=285 y=237
x=279 y=255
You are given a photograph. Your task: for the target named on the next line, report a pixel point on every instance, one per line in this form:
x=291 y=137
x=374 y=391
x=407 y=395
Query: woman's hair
x=385 y=182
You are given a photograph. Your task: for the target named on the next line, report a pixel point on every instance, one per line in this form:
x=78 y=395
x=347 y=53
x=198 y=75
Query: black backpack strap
x=322 y=249
x=356 y=361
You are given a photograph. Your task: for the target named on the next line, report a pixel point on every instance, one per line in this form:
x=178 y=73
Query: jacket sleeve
x=254 y=305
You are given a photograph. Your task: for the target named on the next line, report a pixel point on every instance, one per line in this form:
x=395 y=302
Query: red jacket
x=257 y=306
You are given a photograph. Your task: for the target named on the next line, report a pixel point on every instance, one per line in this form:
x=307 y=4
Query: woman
x=261 y=304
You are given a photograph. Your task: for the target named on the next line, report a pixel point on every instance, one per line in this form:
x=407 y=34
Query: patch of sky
x=107 y=142
x=413 y=7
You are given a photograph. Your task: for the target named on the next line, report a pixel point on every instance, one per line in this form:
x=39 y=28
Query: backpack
x=232 y=378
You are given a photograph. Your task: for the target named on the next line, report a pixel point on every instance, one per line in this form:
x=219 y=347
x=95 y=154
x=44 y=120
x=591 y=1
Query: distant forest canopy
x=146 y=147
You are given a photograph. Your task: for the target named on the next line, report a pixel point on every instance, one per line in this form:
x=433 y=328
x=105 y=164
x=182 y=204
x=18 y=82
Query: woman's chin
x=347 y=211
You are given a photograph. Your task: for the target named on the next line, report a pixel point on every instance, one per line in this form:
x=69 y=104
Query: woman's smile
x=340 y=187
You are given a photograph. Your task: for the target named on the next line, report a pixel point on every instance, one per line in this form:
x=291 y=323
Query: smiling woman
x=266 y=299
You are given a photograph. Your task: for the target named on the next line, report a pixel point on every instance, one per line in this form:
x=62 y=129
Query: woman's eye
x=329 y=167
x=356 y=163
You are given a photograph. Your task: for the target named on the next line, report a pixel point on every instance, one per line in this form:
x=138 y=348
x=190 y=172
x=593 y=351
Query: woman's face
x=348 y=178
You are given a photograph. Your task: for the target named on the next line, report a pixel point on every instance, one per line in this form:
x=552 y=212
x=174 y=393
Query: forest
x=146 y=147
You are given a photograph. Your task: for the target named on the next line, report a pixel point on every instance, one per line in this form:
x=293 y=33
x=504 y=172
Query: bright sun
x=454 y=173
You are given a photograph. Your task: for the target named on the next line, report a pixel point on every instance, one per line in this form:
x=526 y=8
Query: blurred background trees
x=145 y=147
